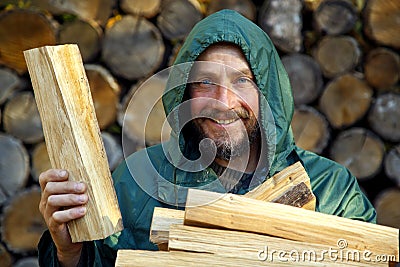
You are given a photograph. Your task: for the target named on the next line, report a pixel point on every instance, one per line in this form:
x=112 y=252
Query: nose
x=227 y=99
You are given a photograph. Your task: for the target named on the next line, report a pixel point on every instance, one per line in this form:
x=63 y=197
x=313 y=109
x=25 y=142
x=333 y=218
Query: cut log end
x=387 y=207
x=345 y=100
x=360 y=151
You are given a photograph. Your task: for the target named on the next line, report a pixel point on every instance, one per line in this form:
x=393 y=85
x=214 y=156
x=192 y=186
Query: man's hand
x=61 y=202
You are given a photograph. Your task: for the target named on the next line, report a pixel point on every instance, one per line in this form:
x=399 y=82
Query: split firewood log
x=40 y=160
x=5 y=257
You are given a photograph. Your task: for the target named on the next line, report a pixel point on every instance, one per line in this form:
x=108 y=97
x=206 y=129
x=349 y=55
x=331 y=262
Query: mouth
x=224 y=122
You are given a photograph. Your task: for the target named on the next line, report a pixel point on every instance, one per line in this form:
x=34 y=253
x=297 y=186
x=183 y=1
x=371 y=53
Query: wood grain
x=72 y=135
x=240 y=213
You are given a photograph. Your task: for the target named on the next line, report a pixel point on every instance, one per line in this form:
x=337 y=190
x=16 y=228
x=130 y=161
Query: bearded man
x=229 y=104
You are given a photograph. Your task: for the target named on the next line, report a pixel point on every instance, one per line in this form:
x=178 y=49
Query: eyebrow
x=207 y=73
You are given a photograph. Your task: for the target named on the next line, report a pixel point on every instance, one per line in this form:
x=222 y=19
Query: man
x=240 y=105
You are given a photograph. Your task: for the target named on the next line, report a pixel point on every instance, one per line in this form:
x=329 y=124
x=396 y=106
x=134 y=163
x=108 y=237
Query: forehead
x=224 y=53
x=228 y=55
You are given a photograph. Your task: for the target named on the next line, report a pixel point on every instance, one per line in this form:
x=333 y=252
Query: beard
x=230 y=144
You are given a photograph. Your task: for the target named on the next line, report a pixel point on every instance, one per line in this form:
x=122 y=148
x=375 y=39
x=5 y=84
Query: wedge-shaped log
x=72 y=135
x=291 y=186
x=145 y=258
x=243 y=245
x=241 y=213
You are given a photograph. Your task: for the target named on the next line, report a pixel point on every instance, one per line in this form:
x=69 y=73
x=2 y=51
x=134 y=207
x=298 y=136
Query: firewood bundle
x=231 y=230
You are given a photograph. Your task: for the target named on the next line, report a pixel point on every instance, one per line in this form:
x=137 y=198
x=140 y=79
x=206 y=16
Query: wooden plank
x=163 y=218
x=240 y=213
x=145 y=258
x=226 y=244
x=72 y=135
x=283 y=182
x=291 y=186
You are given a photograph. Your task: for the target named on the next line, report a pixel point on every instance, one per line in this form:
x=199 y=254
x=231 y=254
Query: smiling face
x=224 y=100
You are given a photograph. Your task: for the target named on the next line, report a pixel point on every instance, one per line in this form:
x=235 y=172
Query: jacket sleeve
x=48 y=252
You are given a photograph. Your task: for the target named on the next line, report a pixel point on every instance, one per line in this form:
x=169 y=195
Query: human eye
x=206 y=83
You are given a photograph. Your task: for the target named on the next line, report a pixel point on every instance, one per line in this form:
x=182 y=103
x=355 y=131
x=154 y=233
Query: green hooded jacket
x=149 y=178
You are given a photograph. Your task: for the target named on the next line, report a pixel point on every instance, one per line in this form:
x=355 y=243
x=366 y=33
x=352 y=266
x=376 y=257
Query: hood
x=270 y=77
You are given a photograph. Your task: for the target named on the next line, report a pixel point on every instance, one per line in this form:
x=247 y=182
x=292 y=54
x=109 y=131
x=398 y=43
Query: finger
x=58 y=188
x=66 y=187
x=67 y=200
x=64 y=216
x=52 y=175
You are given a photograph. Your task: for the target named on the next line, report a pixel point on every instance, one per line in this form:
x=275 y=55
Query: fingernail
x=82 y=210
x=62 y=173
x=82 y=198
x=79 y=186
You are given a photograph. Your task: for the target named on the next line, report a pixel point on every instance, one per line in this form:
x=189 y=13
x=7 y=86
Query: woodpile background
x=342 y=57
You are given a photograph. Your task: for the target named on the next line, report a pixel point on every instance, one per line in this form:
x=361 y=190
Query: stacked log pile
x=342 y=56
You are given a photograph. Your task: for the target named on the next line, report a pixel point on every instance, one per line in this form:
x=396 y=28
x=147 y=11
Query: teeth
x=225 y=121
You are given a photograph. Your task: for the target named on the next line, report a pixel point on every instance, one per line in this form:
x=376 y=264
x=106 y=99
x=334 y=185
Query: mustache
x=229 y=114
